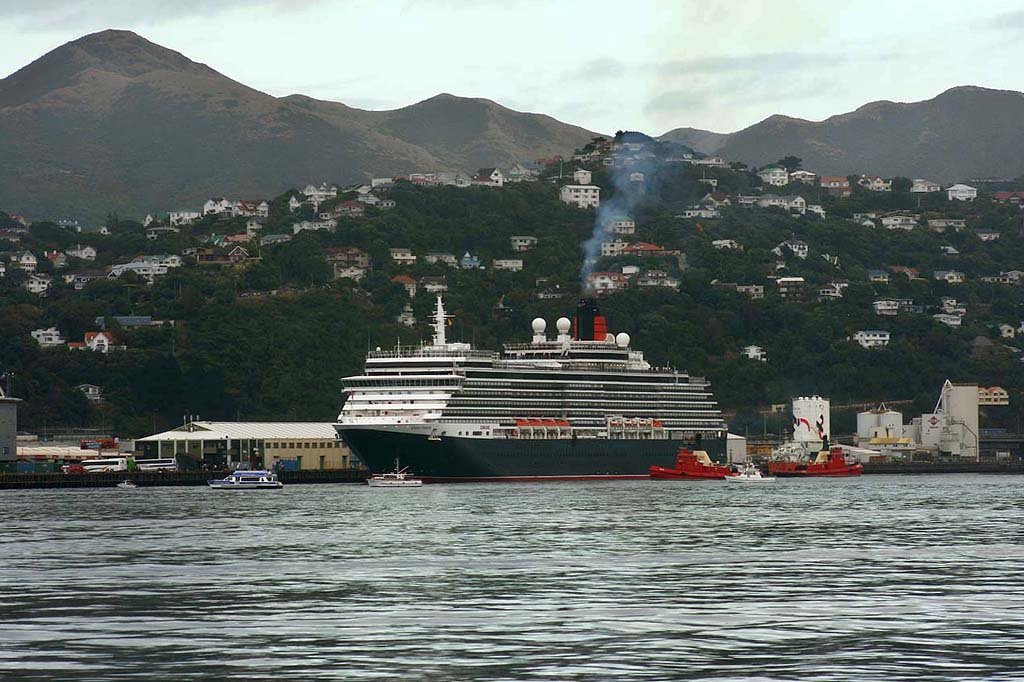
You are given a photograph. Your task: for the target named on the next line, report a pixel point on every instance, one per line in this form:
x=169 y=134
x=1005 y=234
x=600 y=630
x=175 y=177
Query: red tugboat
x=828 y=463
x=693 y=464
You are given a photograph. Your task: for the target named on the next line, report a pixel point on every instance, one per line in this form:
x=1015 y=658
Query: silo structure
x=811 y=422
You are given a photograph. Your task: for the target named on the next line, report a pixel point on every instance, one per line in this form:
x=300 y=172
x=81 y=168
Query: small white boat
x=248 y=480
x=128 y=485
x=399 y=478
x=750 y=474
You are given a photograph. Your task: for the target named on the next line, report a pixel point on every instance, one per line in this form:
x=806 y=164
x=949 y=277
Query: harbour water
x=894 y=577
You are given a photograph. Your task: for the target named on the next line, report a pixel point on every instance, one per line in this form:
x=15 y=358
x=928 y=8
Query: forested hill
x=269 y=339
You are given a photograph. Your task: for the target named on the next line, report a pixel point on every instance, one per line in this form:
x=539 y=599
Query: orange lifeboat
x=692 y=464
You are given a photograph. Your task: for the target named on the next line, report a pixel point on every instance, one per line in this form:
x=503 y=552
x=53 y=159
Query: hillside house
x=715 y=200
x=706 y=212
x=622 y=226
x=947 y=250
x=878 y=275
x=948 y=319
x=1014 y=197
x=886 y=306
x=38 y=284
x=961 y=192
x=158 y=231
x=469 y=261
x=146 y=267
x=773 y=175
x=101 y=342
x=871 y=338
x=582 y=176
x=254 y=209
x=994 y=395
x=407 y=317
x=755 y=353
x=581 y=196
x=987 y=234
x=643 y=249
x=347 y=255
x=402 y=256
x=940 y=225
x=507 y=264
x=408 y=283
x=836 y=185
x=368 y=199
x=803 y=176
x=607 y=282
x=636 y=176
x=949 y=276
x=832 y=291
x=459 y=180
x=522 y=242
x=948 y=304
x=1006 y=331
x=799 y=248
x=909 y=272
x=790 y=288
x=657 y=278
x=56 y=258
x=816 y=209
x=722 y=244
x=435 y=257
x=24 y=260
x=48 y=338
x=754 y=291
x=615 y=248
x=922 y=186
x=790 y=202
x=351 y=209
x=313 y=225
x=875 y=183
x=489 y=177
x=899 y=221
x=320 y=194
x=526 y=172
x=78 y=280
x=92 y=392
x=179 y=218
x=434 y=284
x=220 y=207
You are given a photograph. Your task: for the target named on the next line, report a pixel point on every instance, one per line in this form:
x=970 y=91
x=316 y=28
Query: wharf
x=1008 y=467
x=165 y=478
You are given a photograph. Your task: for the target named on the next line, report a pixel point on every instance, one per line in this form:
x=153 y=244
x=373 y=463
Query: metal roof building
x=309 y=445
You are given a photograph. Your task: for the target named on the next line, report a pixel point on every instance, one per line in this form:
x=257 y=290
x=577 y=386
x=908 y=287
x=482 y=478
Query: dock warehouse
x=285 y=445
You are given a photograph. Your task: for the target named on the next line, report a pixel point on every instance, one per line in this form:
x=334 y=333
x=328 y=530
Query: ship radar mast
x=440 y=320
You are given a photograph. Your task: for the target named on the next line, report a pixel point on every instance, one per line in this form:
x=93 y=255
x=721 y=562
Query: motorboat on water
x=399 y=478
x=245 y=480
x=693 y=464
x=750 y=474
x=831 y=463
x=127 y=485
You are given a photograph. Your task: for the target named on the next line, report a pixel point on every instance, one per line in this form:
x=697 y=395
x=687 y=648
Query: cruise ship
x=583 y=404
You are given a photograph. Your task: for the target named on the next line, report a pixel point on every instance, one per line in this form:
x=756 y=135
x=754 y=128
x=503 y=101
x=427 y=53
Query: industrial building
x=271 y=445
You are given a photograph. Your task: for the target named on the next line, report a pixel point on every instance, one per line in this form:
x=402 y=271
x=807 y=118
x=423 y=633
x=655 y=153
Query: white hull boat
x=399 y=478
x=750 y=474
x=248 y=480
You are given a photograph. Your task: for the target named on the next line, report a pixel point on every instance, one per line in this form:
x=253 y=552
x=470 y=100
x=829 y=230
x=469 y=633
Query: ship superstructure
x=583 y=403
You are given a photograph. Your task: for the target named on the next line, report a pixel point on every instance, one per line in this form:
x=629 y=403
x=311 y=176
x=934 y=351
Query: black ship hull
x=452 y=459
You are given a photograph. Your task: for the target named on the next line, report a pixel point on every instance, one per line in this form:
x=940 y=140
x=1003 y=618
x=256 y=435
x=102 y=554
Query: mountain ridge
x=114 y=122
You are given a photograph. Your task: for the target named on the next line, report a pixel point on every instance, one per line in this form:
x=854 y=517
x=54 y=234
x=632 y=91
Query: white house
x=987 y=234
x=790 y=202
x=146 y=267
x=581 y=196
x=622 y=226
x=878 y=276
x=403 y=256
x=434 y=285
x=816 y=209
x=726 y=244
x=605 y=282
x=582 y=176
x=522 y=242
x=178 y=218
x=25 y=260
x=38 y=284
x=773 y=175
x=886 y=306
x=84 y=252
x=755 y=353
x=615 y=248
x=806 y=177
x=509 y=264
x=922 y=186
x=92 y=392
x=100 y=342
x=1007 y=331
x=942 y=224
x=871 y=338
x=320 y=194
x=948 y=319
x=899 y=222
x=657 y=278
x=489 y=177
x=875 y=183
x=158 y=231
x=706 y=212
x=313 y=225
x=950 y=276
x=961 y=192
x=799 y=248
x=48 y=337
x=219 y=206
x=255 y=209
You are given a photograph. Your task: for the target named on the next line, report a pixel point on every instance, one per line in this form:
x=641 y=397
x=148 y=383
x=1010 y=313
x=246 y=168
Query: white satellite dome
x=608 y=338
x=622 y=339
x=539 y=325
x=563 y=324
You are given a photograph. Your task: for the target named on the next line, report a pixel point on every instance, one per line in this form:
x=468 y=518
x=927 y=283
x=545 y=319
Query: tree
x=790 y=163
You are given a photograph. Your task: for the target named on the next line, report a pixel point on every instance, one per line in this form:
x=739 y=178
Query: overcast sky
x=642 y=64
